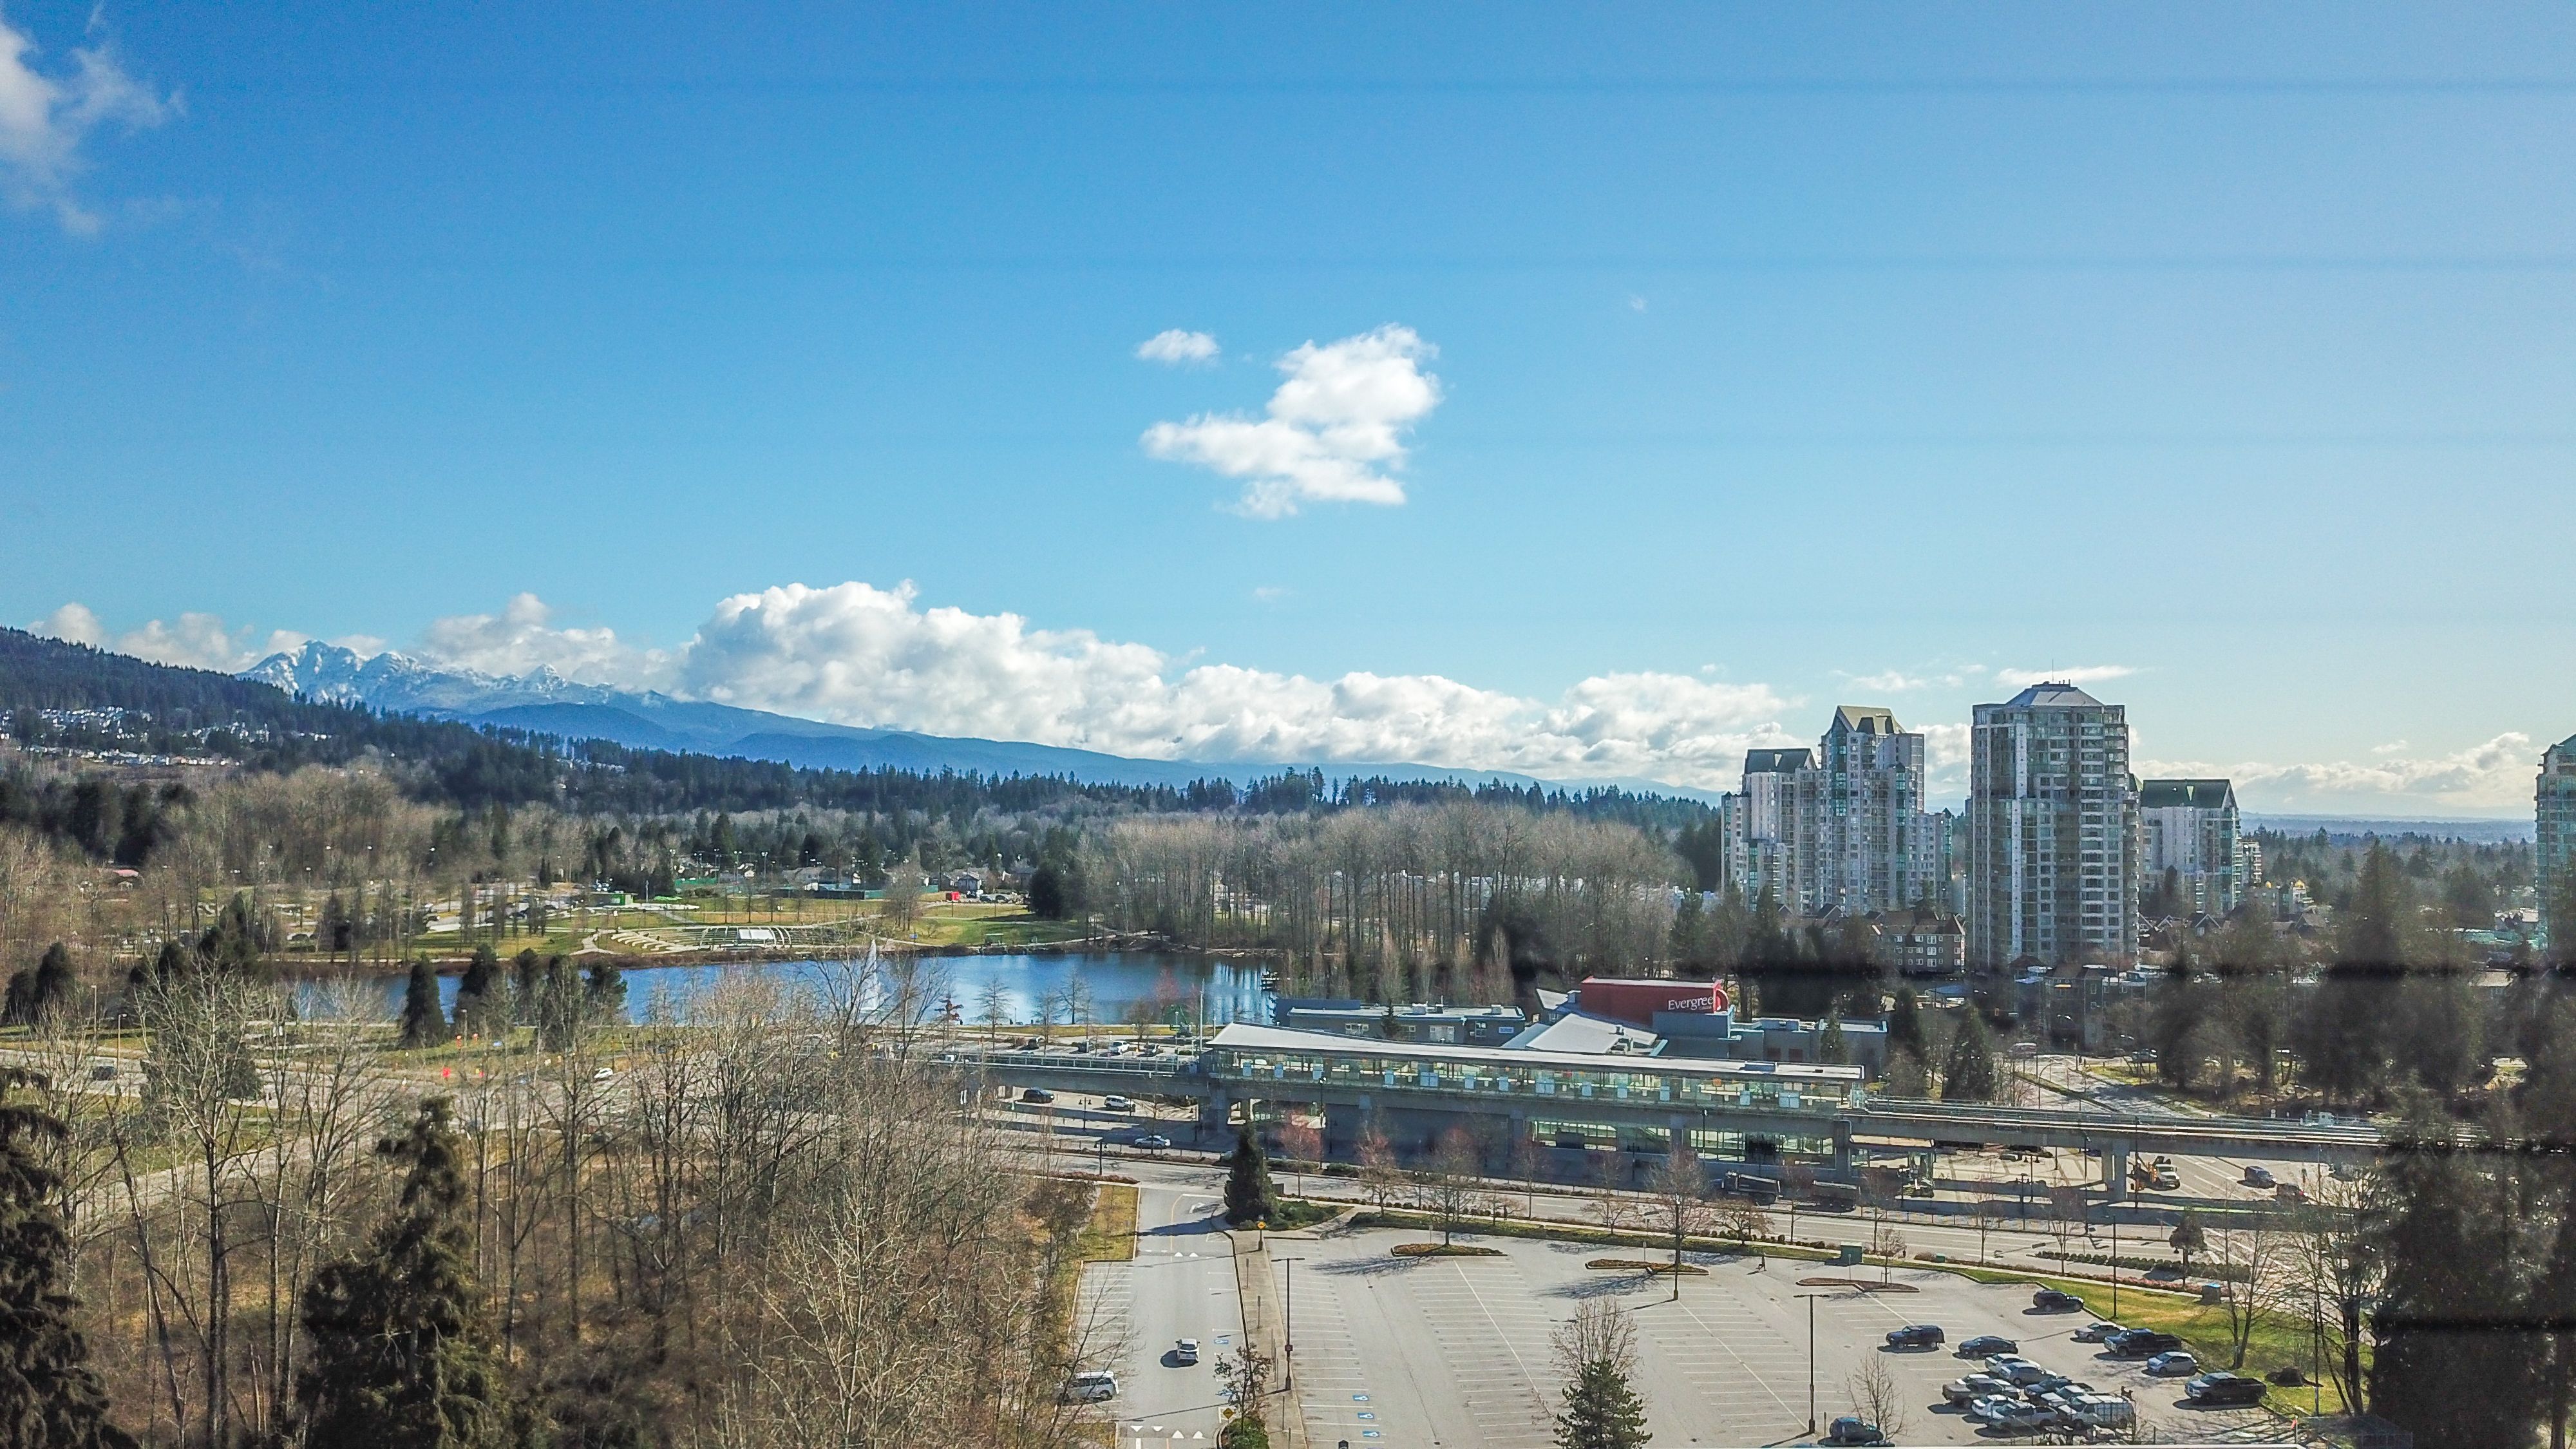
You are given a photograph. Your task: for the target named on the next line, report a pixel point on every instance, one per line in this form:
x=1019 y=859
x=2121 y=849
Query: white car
x=1116 y=1104
x=1185 y=1352
x=2173 y=1365
x=1970 y=1389
x=1091 y=1388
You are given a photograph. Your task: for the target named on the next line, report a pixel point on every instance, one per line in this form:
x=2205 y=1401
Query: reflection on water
x=1117 y=985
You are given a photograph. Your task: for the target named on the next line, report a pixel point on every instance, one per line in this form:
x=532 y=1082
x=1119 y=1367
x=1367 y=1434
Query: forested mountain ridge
x=59 y=695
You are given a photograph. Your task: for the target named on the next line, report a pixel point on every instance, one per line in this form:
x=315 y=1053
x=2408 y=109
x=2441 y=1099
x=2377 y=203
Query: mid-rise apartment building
x=2555 y=839
x=2190 y=829
x=2052 y=831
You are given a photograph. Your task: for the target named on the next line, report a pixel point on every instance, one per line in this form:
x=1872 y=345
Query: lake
x=1216 y=991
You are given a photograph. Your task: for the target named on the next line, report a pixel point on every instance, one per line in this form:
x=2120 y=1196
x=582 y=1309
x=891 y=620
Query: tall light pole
x=1811 y=1358
x=1288 y=1342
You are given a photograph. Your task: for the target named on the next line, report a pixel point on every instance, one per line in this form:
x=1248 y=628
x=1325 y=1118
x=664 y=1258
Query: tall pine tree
x=1250 y=1196
x=423 y=1022
x=1969 y=1073
x=1601 y=1410
x=402 y=1357
x=49 y=1399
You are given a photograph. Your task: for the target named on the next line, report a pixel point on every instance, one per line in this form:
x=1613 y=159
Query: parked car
x=1987 y=1345
x=2056 y=1300
x=2289 y=1192
x=1972 y=1387
x=2098 y=1411
x=2097 y=1332
x=2218 y=1389
x=2018 y=1417
x=2141 y=1342
x=2173 y=1365
x=1992 y=1408
x=1852 y=1429
x=2258 y=1176
x=1090 y=1388
x=1185 y=1352
x=1153 y=1142
x=1116 y=1104
x=2020 y=1370
x=1917 y=1335
x=1037 y=1094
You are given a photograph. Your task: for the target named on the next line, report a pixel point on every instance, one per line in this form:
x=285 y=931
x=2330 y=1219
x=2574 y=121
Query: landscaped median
x=1444 y=1250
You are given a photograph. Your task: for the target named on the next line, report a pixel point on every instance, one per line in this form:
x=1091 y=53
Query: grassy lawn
x=1110 y=1236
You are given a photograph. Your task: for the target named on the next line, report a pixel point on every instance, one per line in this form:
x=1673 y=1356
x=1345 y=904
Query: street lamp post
x=1811 y=1358
x=1288 y=1341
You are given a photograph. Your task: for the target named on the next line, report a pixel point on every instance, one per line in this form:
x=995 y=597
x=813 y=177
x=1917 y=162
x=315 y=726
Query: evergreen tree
x=2188 y=1238
x=604 y=994
x=1969 y=1075
x=527 y=986
x=1250 y=1195
x=423 y=1022
x=48 y=1395
x=1830 y=1046
x=2449 y=1366
x=477 y=1005
x=1905 y=1027
x=1601 y=1410
x=2381 y=925
x=402 y=1357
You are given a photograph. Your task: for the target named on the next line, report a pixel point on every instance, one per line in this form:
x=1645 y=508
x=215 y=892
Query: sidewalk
x=1264 y=1327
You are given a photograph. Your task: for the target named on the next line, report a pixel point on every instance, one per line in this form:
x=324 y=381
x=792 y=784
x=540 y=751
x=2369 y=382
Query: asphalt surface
x=1455 y=1351
x=1179 y=1285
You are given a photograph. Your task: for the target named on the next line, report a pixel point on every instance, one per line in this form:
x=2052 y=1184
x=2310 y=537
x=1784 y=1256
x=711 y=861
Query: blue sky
x=1677 y=373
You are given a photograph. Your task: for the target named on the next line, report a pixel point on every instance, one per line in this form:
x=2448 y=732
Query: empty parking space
x=1455 y=1351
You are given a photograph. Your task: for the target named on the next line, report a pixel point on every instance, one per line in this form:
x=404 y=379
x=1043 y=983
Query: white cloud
x=2081 y=674
x=862 y=655
x=521 y=639
x=45 y=118
x=197 y=641
x=1270 y=593
x=1335 y=430
x=2492 y=775
x=1179 y=348
x=1892 y=682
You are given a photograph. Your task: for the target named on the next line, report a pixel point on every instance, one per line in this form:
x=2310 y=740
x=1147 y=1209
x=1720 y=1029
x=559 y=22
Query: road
x=1179 y=1285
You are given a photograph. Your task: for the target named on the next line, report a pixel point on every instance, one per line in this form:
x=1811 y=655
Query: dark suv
x=1917 y=1335
x=2215 y=1390
x=2141 y=1343
x=2056 y=1300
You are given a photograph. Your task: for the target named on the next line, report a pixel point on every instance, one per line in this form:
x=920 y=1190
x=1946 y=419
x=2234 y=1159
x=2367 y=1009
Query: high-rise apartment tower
x=2052 y=831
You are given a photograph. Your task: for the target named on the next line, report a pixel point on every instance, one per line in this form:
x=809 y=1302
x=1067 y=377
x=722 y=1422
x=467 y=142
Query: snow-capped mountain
x=330 y=674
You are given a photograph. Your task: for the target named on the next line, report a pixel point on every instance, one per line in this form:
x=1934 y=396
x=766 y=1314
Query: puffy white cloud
x=522 y=639
x=196 y=641
x=2081 y=674
x=1334 y=431
x=2495 y=774
x=1174 y=346
x=857 y=654
x=45 y=118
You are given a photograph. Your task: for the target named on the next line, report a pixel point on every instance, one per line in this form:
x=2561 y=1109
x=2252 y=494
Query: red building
x=1636 y=1002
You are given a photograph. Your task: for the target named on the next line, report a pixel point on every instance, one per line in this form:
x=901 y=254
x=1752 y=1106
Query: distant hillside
x=2480 y=832
x=545 y=740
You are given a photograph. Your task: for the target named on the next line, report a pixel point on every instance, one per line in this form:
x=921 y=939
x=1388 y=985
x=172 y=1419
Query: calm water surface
x=1117 y=981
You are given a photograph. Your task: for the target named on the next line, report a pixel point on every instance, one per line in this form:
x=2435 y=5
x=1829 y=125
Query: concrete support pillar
x=1843 y=1146
x=1214 y=1109
x=2115 y=1173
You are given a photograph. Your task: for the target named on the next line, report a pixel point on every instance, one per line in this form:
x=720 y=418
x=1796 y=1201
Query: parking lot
x=1455 y=1351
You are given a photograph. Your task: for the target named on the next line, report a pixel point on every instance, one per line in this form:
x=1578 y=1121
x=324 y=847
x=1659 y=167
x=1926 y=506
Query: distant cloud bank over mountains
x=855 y=674
x=546 y=702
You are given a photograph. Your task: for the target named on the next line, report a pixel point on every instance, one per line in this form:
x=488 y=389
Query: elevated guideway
x=1218 y=1082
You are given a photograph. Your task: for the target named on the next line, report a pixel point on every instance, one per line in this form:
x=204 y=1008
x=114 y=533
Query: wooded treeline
x=771 y=1227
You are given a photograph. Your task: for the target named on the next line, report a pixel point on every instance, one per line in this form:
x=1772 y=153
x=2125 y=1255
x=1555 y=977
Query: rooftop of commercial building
x=1243 y=1037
